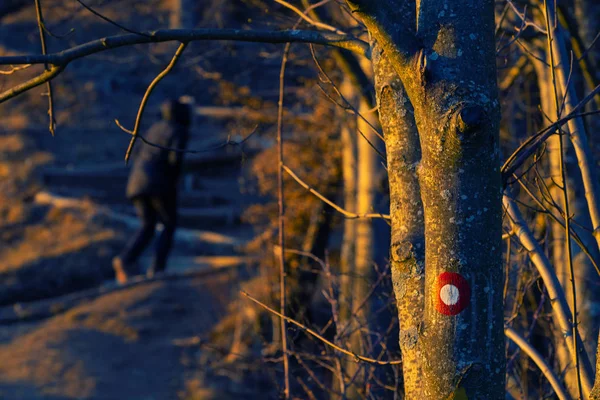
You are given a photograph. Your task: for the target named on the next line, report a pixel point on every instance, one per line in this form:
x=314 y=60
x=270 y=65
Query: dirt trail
x=139 y=343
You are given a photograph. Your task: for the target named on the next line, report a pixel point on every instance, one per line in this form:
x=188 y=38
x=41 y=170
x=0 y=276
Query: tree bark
x=448 y=71
x=407 y=253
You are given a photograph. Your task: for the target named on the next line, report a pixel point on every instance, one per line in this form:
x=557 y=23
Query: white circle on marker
x=449 y=294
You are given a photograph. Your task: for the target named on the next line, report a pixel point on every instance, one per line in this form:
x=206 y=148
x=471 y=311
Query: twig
x=339 y=93
x=110 y=21
x=151 y=87
x=313 y=376
x=591 y=46
x=523 y=17
x=228 y=142
x=281 y=205
x=355 y=357
x=546 y=210
x=308 y=255
x=14 y=69
x=531 y=145
x=307 y=18
x=364 y=301
x=33 y=82
x=346 y=213
x=40 y=22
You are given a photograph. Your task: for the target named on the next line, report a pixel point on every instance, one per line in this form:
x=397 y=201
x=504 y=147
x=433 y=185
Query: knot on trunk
x=402 y=251
x=469 y=119
x=409 y=338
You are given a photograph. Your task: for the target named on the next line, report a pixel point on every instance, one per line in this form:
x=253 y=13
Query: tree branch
x=189 y=35
x=306 y=329
x=159 y=77
x=539 y=360
x=41 y=27
x=561 y=311
x=346 y=213
x=306 y=18
x=532 y=144
x=30 y=84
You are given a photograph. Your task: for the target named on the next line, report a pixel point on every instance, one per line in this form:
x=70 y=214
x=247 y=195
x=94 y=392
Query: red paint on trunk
x=452 y=293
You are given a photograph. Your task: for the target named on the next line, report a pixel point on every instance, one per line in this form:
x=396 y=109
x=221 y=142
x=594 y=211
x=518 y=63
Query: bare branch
x=561 y=311
x=306 y=329
x=539 y=360
x=307 y=18
x=349 y=106
x=281 y=219
x=532 y=144
x=30 y=84
x=346 y=213
x=151 y=87
x=110 y=21
x=40 y=22
x=227 y=142
x=190 y=35
x=14 y=69
x=523 y=17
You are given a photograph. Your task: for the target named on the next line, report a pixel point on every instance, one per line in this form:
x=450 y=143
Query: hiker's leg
x=166 y=209
x=143 y=236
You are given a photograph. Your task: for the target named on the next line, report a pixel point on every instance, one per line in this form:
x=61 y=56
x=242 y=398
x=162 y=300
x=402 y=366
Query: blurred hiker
x=152 y=187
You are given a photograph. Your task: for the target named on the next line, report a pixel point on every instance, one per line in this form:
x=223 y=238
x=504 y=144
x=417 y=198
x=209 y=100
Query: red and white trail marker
x=452 y=293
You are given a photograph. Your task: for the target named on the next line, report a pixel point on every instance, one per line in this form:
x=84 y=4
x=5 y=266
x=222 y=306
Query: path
x=137 y=343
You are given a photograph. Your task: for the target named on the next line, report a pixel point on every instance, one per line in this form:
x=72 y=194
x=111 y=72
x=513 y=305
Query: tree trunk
x=348 y=250
x=347 y=258
x=448 y=71
x=407 y=253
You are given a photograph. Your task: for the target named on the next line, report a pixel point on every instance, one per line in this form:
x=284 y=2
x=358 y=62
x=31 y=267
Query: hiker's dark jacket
x=155 y=171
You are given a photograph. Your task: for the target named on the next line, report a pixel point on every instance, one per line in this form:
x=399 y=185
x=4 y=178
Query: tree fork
x=448 y=71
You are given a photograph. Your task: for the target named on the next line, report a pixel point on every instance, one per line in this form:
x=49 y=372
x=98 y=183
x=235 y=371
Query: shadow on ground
x=139 y=343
